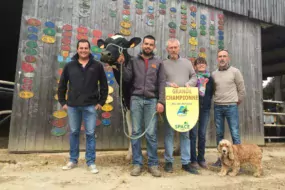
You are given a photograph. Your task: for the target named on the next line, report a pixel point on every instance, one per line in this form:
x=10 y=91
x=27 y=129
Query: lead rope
x=124 y=122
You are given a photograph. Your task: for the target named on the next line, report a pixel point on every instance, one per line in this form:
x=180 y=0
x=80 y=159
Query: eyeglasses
x=201 y=63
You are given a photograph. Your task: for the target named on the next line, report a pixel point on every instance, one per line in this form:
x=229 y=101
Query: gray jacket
x=150 y=83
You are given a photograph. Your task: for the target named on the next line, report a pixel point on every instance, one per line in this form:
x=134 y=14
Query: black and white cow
x=115 y=53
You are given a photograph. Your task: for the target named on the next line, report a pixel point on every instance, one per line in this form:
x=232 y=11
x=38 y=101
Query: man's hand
x=64 y=107
x=98 y=107
x=239 y=102
x=174 y=85
x=159 y=107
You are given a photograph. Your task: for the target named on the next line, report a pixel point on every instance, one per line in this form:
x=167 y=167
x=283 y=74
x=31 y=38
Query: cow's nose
x=105 y=56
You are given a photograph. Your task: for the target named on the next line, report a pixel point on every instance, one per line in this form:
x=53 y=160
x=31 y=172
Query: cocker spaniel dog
x=232 y=156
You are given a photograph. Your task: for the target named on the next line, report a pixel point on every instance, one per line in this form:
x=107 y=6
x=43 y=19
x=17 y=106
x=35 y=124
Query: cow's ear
x=101 y=43
x=134 y=42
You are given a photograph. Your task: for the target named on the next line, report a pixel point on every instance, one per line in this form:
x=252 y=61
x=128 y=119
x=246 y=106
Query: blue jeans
x=201 y=128
x=75 y=115
x=168 y=144
x=142 y=110
x=230 y=112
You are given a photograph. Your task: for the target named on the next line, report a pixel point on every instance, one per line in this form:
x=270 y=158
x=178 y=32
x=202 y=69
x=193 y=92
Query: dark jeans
x=142 y=110
x=201 y=128
x=230 y=112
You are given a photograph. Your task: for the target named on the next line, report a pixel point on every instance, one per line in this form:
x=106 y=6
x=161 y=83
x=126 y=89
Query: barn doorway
x=9 y=48
x=273 y=67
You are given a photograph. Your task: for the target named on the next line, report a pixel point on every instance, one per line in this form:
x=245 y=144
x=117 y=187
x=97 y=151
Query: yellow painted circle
x=110 y=89
x=26 y=94
x=107 y=107
x=60 y=114
x=109 y=99
x=48 y=39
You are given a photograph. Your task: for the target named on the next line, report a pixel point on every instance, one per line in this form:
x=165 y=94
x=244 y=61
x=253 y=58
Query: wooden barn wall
x=39 y=124
x=271 y=11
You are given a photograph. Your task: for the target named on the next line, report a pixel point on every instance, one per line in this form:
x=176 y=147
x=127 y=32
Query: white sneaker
x=93 y=169
x=69 y=166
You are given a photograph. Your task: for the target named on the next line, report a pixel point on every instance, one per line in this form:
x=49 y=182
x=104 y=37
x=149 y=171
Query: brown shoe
x=137 y=170
x=194 y=165
x=203 y=165
x=154 y=171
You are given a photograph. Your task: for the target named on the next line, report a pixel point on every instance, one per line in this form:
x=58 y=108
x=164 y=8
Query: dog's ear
x=219 y=148
x=231 y=152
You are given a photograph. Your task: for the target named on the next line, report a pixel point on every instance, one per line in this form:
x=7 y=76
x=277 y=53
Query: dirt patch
x=43 y=171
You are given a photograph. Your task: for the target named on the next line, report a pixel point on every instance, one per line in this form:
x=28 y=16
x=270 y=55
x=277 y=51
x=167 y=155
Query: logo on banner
x=182 y=107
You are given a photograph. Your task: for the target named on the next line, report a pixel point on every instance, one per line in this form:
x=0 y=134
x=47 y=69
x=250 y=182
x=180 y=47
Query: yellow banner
x=182 y=107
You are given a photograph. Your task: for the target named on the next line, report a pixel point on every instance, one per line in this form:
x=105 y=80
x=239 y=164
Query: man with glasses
x=229 y=93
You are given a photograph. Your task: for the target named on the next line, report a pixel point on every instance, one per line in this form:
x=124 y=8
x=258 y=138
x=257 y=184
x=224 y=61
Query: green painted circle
x=96 y=49
x=203 y=32
x=172 y=25
x=193 y=33
x=162 y=6
x=202 y=27
x=32 y=44
x=212 y=33
x=31 y=51
x=193 y=54
x=49 y=31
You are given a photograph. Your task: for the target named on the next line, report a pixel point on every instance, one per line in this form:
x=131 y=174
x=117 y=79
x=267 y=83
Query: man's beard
x=224 y=67
x=146 y=53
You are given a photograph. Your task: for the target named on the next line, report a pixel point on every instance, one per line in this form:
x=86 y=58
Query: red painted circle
x=30 y=59
x=106 y=115
x=82 y=30
x=98 y=122
x=81 y=36
x=26 y=67
x=94 y=41
x=66 y=41
x=202 y=49
x=27 y=81
x=97 y=33
x=67 y=34
x=172 y=30
x=65 y=48
x=126 y=12
x=67 y=27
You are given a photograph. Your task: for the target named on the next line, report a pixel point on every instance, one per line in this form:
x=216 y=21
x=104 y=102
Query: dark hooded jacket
x=83 y=87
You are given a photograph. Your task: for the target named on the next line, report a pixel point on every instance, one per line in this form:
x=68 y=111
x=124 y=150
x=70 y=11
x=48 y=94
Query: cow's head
x=116 y=46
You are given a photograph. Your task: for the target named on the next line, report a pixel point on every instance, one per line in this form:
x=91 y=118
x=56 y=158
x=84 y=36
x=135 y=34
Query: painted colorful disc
x=139 y=1
x=220 y=16
x=98 y=122
x=109 y=75
x=67 y=34
x=162 y=1
x=32 y=37
x=193 y=54
x=97 y=33
x=150 y=7
x=202 y=54
x=109 y=99
x=127 y=2
x=82 y=30
x=126 y=18
x=94 y=41
x=220 y=22
x=202 y=27
x=67 y=27
x=49 y=24
x=193 y=14
x=150 y=22
x=221 y=27
x=65 y=48
x=212 y=33
x=96 y=49
x=110 y=82
x=31 y=44
x=193 y=25
x=221 y=33
x=112 y=13
x=183 y=21
x=183 y=27
x=64 y=53
x=107 y=107
x=48 y=39
x=31 y=51
x=203 y=32
x=193 y=33
x=212 y=42
x=97 y=56
x=139 y=6
x=27 y=81
x=81 y=36
x=172 y=25
x=184 y=12
x=58 y=131
x=26 y=87
x=221 y=38
x=60 y=114
x=150 y=11
x=126 y=12
x=221 y=43
x=183 y=7
x=125 y=32
x=106 y=115
x=162 y=6
x=171 y=30
x=29 y=75
x=212 y=27
x=184 y=17
x=150 y=16
x=202 y=22
x=125 y=24
x=26 y=94
x=126 y=6
x=162 y=12
x=33 y=22
x=106 y=122
x=139 y=11
x=62 y=64
x=30 y=59
x=221 y=47
x=59 y=71
x=49 y=31
x=172 y=35
x=110 y=89
x=193 y=9
x=27 y=67
x=59 y=122
x=203 y=17
x=66 y=41
x=33 y=29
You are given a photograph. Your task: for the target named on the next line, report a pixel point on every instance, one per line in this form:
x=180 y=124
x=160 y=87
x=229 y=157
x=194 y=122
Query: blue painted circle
x=202 y=22
x=109 y=75
x=97 y=56
x=33 y=29
x=221 y=33
x=50 y=24
x=110 y=82
x=32 y=37
x=193 y=14
x=203 y=17
x=221 y=37
x=106 y=122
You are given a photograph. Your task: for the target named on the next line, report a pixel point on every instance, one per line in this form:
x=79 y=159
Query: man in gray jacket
x=179 y=73
x=146 y=73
